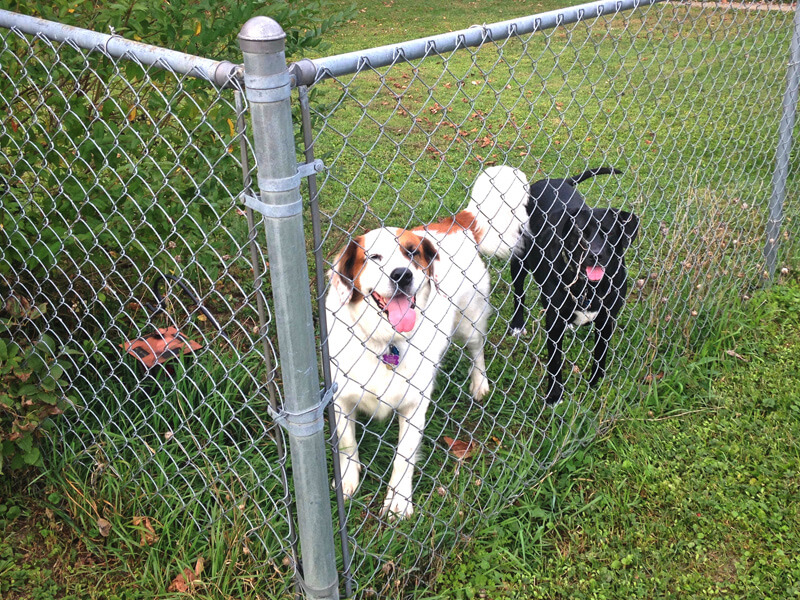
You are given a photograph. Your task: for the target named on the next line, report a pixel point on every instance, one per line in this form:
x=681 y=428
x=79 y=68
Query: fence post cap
x=262 y=35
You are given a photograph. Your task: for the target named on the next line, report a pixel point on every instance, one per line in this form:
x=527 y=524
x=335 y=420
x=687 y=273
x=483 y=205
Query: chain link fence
x=122 y=217
x=125 y=246
x=685 y=101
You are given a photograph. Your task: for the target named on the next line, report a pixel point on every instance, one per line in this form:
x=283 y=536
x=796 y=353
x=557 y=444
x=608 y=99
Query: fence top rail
x=220 y=73
x=310 y=71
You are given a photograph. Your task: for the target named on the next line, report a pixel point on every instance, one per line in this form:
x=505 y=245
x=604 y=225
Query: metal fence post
x=784 y=149
x=268 y=88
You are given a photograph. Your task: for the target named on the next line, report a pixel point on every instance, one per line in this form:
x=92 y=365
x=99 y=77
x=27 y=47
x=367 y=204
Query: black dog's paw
x=554 y=397
x=596 y=378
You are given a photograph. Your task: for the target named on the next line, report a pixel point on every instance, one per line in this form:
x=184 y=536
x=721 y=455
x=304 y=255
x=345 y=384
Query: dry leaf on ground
x=182 y=583
x=460 y=449
x=147 y=533
x=104 y=527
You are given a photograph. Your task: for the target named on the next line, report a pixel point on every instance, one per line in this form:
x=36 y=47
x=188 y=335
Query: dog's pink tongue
x=401 y=315
x=594 y=273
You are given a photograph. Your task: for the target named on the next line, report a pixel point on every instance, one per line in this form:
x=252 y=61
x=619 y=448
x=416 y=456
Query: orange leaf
x=182 y=582
x=460 y=449
x=147 y=533
x=651 y=377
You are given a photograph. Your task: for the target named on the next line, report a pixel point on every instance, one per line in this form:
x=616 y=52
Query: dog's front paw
x=396 y=506
x=479 y=386
x=517 y=332
x=350 y=476
x=348 y=488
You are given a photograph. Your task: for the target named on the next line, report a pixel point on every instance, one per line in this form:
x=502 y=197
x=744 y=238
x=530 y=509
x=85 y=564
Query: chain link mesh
x=114 y=175
x=120 y=218
x=685 y=101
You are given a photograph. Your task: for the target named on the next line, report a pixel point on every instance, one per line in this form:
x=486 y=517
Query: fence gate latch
x=307 y=422
x=284 y=184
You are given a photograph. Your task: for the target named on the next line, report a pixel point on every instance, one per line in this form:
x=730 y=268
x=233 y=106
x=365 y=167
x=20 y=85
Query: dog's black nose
x=402 y=277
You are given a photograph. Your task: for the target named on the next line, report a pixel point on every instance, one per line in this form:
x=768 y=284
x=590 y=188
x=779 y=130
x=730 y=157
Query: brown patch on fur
x=421 y=250
x=463 y=221
x=347 y=266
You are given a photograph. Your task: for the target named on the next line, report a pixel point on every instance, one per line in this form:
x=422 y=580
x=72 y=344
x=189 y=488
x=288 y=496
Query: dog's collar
x=584 y=301
x=392 y=357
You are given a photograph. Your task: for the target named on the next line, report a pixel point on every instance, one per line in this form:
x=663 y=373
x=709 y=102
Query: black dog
x=576 y=255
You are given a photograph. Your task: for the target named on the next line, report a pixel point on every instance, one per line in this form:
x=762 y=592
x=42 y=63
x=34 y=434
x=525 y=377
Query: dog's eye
x=375 y=257
x=411 y=251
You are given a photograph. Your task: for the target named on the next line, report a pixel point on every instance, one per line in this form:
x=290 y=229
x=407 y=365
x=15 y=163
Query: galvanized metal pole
x=268 y=88
x=783 y=150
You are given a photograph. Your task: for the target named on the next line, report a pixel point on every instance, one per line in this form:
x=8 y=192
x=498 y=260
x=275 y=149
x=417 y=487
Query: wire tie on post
x=285 y=184
x=110 y=38
x=307 y=422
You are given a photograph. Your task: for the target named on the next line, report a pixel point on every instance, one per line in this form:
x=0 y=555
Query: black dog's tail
x=576 y=179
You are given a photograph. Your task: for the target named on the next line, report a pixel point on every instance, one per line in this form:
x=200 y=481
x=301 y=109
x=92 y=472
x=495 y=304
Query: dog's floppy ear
x=622 y=227
x=346 y=267
x=429 y=254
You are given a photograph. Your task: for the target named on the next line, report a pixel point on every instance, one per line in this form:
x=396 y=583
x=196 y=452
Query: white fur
x=581 y=317
x=452 y=304
x=499 y=196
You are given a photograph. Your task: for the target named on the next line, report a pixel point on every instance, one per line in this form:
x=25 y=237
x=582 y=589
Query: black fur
x=565 y=241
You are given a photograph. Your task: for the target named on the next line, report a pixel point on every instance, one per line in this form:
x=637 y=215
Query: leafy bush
x=199 y=27
x=30 y=385
x=109 y=168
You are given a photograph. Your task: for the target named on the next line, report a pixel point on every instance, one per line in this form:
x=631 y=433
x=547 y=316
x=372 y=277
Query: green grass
x=679 y=99
x=691 y=496
x=687 y=106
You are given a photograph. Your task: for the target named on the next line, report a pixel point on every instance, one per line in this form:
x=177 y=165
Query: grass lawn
x=692 y=496
x=689 y=495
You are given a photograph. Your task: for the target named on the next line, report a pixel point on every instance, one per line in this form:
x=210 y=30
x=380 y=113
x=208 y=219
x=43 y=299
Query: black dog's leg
x=603 y=330
x=518 y=275
x=604 y=327
x=556 y=326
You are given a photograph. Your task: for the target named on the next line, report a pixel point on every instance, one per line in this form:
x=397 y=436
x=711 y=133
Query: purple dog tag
x=392 y=359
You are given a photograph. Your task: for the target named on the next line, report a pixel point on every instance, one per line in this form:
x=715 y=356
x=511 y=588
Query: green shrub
x=30 y=384
x=108 y=167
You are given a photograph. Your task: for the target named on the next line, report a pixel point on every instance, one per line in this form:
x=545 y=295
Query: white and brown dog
x=397 y=298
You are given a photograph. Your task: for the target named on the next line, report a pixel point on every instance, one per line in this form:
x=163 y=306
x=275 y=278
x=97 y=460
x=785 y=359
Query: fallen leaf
x=651 y=377
x=199 y=565
x=104 y=527
x=460 y=449
x=735 y=355
x=147 y=533
x=182 y=582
